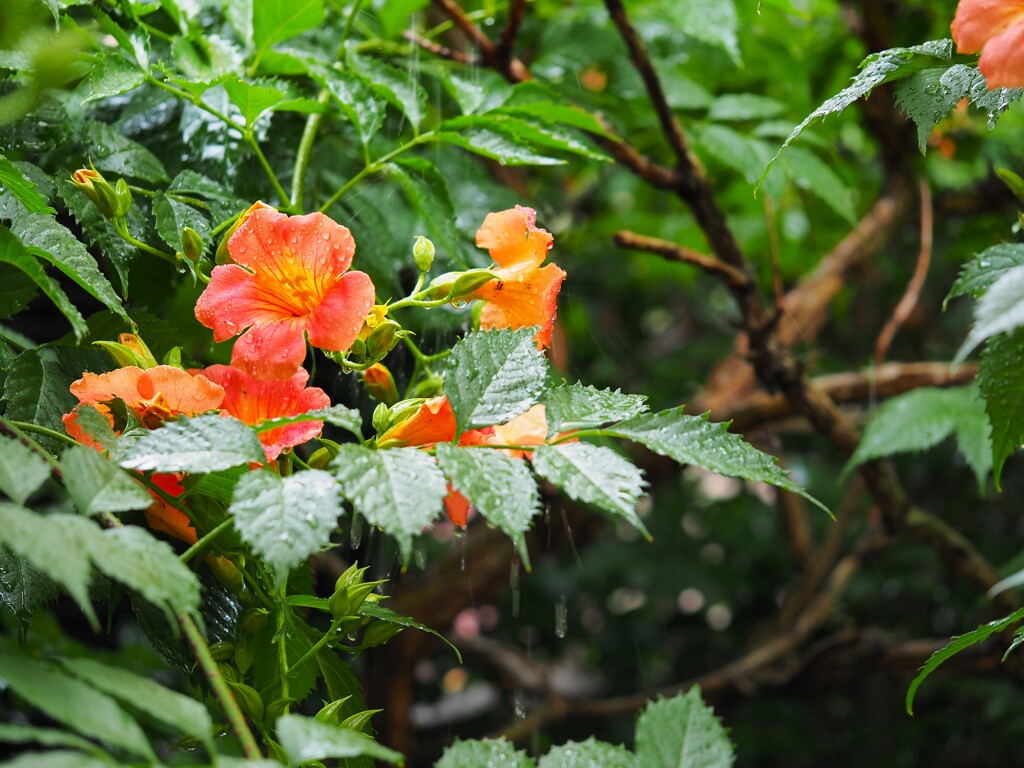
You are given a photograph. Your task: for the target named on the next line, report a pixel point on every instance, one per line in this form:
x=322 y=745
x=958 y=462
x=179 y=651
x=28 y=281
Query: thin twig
x=507 y=40
x=441 y=51
x=732 y=277
x=913 y=293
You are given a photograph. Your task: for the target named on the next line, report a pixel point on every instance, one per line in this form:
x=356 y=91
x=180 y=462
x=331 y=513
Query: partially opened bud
x=383 y=339
x=381 y=384
x=98 y=189
x=191 y=244
x=129 y=349
x=124 y=199
x=454 y=285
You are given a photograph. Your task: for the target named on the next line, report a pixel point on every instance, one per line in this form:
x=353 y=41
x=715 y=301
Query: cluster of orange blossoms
x=996 y=28
x=290 y=282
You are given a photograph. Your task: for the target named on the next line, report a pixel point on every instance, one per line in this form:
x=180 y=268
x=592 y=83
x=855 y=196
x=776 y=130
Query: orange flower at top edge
x=290 y=279
x=253 y=401
x=996 y=28
x=152 y=395
x=525 y=293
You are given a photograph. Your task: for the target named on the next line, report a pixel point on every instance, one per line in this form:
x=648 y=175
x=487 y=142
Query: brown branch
x=642 y=62
x=887 y=380
x=733 y=278
x=511 y=68
x=507 y=40
x=442 y=52
x=913 y=293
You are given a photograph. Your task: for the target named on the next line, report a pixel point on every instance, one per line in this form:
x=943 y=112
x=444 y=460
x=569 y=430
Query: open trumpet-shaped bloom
x=255 y=400
x=433 y=422
x=290 y=280
x=152 y=395
x=996 y=28
x=526 y=293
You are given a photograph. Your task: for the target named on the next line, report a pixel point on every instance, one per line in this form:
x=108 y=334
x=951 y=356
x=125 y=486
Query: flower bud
x=254 y=620
x=379 y=633
x=124 y=199
x=222 y=651
x=248 y=699
x=191 y=245
x=98 y=189
x=244 y=654
x=129 y=349
x=331 y=713
x=455 y=285
x=423 y=253
x=383 y=339
x=381 y=384
x=432 y=386
x=359 y=721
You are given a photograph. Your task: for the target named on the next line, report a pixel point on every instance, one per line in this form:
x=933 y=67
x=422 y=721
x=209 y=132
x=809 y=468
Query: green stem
x=220 y=688
x=346 y=33
x=278 y=189
x=376 y=166
x=282 y=644
x=305 y=150
x=28 y=426
x=293 y=670
x=122 y=230
x=17 y=429
x=205 y=541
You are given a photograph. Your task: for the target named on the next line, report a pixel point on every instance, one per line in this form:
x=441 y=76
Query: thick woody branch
x=511 y=68
x=507 y=41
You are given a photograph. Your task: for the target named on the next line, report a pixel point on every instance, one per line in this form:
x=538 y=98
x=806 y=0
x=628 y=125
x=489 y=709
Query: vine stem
x=220 y=688
x=204 y=542
x=282 y=643
x=293 y=670
x=376 y=166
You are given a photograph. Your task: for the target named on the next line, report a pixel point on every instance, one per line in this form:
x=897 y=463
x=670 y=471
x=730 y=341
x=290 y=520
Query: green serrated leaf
x=993 y=102
x=286 y=519
x=1001 y=381
x=96 y=484
x=504 y=147
x=220 y=202
x=304 y=738
x=559 y=114
x=171 y=216
x=381 y=613
x=356 y=100
x=696 y=440
x=473 y=754
x=252 y=100
x=28 y=261
x=955 y=645
x=22 y=470
x=199 y=444
x=377 y=483
x=594 y=475
x=36 y=538
x=921 y=419
x=97 y=426
x=401 y=90
x=744 y=106
x=57 y=758
x=579 y=406
x=682 y=732
x=23 y=589
x=538 y=135
x=112 y=76
x=13 y=181
x=878 y=68
x=73 y=703
x=999 y=310
x=493 y=376
x=929 y=95
x=501 y=488
x=184 y=713
x=118 y=155
x=36 y=387
x=341 y=416
x=144 y=564
x=978 y=275
x=588 y=754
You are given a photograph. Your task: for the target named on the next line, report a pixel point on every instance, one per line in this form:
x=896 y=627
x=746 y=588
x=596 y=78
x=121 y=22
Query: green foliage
x=923 y=418
x=957 y=644
x=306 y=739
x=978 y=275
x=22 y=471
x=579 y=406
x=703 y=443
x=285 y=519
x=1000 y=309
x=682 y=732
x=588 y=754
x=494 y=376
x=500 y=487
x=199 y=444
x=470 y=754
x=594 y=475
x=376 y=484
x=1001 y=383
x=97 y=484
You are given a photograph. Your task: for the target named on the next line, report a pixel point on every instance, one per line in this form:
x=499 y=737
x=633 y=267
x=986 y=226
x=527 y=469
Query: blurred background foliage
x=603 y=614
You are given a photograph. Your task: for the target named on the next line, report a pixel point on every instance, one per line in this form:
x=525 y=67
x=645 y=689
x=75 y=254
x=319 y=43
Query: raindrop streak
x=517 y=704
x=357 y=530
x=513 y=582
x=561 y=616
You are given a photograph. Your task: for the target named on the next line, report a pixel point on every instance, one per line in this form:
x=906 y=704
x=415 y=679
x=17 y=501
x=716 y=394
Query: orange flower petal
x=119 y=384
x=291 y=279
x=978 y=21
x=1002 y=60
x=254 y=400
x=522 y=300
x=182 y=392
x=512 y=238
x=457 y=507
x=434 y=422
x=161 y=516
